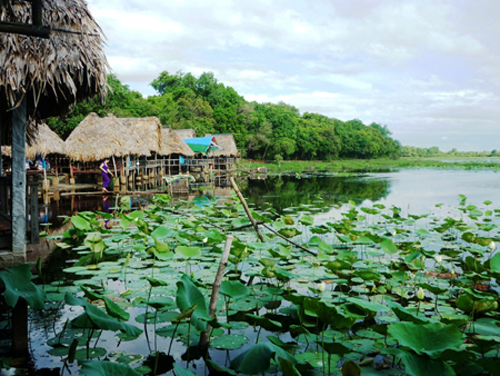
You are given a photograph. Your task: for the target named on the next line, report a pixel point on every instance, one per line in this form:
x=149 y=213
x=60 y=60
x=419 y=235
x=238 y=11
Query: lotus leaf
x=18 y=284
x=368 y=306
x=307 y=220
x=159 y=302
x=179 y=371
x=234 y=289
x=325 y=247
x=59 y=351
x=405 y=315
x=189 y=295
x=154 y=282
x=388 y=246
x=350 y=368
x=468 y=304
x=95 y=317
x=80 y=223
x=257 y=359
x=229 y=342
x=430 y=339
x=105 y=368
x=95 y=352
x=114 y=310
x=188 y=252
x=422 y=365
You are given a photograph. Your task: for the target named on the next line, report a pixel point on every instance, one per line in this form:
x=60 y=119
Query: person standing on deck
x=104 y=173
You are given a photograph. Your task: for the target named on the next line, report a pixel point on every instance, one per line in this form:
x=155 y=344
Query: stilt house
x=51 y=56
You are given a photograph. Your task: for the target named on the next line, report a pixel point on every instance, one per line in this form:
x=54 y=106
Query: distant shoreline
x=372 y=165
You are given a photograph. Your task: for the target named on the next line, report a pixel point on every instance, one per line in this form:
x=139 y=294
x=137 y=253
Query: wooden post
x=212 y=308
x=1 y=158
x=247 y=210
x=33 y=203
x=114 y=165
x=19 y=119
x=20 y=327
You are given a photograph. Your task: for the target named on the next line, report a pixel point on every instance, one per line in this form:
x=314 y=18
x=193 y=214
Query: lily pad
x=229 y=342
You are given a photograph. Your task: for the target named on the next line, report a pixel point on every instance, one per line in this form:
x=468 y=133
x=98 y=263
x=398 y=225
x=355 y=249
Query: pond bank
x=369 y=165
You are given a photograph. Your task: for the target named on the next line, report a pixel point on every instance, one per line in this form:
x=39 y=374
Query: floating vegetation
x=374 y=293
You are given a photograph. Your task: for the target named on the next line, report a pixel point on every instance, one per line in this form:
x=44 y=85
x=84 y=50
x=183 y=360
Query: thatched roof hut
x=45 y=142
x=149 y=130
x=227 y=145
x=51 y=73
x=171 y=143
x=185 y=133
x=97 y=138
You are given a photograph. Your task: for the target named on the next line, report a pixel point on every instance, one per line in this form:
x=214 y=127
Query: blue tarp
x=202 y=144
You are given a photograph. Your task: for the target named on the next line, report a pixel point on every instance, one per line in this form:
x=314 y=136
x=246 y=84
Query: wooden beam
x=25 y=29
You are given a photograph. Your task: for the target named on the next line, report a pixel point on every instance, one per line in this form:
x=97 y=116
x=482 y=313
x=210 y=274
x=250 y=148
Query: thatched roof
x=171 y=143
x=149 y=130
x=56 y=72
x=97 y=138
x=45 y=142
x=7 y=151
x=185 y=133
x=227 y=145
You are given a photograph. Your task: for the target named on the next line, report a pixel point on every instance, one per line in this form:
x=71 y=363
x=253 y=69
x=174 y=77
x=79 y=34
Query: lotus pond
x=372 y=289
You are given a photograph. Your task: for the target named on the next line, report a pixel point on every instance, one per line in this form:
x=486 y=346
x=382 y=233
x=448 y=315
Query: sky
x=429 y=70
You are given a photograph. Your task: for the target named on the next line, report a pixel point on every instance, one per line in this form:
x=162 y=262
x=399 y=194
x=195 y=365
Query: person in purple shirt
x=105 y=171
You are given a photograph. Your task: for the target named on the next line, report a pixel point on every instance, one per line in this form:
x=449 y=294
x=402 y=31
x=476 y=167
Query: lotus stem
x=88 y=342
x=98 y=337
x=172 y=341
x=188 y=343
x=146 y=318
x=323 y=350
x=156 y=362
x=154 y=326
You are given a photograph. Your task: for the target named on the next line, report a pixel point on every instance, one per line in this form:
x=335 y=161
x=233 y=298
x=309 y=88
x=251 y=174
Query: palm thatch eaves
x=185 y=133
x=149 y=130
x=97 y=138
x=171 y=143
x=227 y=145
x=51 y=73
x=45 y=142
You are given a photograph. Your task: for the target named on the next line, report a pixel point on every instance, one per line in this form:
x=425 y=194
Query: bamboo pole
x=288 y=240
x=45 y=182
x=114 y=166
x=247 y=210
x=70 y=170
x=212 y=308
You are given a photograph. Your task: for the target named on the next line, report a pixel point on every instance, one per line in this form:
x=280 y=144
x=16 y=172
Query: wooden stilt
x=20 y=328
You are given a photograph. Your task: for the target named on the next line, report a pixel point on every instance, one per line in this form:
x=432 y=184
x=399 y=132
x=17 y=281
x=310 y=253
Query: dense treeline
x=432 y=152
x=262 y=131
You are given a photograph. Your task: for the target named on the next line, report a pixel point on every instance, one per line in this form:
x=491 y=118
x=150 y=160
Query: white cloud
x=421 y=67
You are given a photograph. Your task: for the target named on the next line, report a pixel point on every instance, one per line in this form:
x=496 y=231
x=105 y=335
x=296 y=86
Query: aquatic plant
x=376 y=292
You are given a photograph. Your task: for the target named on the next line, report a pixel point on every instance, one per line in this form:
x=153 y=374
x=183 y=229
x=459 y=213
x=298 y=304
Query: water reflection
x=285 y=191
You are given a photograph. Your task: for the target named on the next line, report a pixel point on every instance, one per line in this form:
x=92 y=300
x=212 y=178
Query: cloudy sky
x=429 y=70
